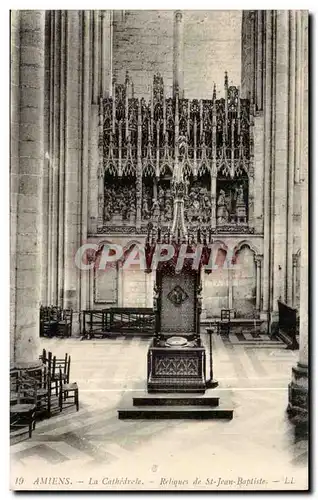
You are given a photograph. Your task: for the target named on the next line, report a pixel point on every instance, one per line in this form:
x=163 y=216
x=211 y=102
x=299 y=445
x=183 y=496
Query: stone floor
x=92 y=449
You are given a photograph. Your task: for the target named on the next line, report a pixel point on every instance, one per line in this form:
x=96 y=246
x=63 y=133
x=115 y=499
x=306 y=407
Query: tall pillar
x=96 y=56
x=85 y=136
x=178 y=54
x=298 y=388
x=295 y=264
x=72 y=160
x=106 y=52
x=267 y=162
x=29 y=189
x=95 y=173
x=291 y=157
x=230 y=285
x=14 y=165
x=280 y=186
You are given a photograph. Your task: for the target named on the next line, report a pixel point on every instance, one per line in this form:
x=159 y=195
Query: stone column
x=230 y=284
x=29 y=189
x=295 y=264
x=120 y=296
x=280 y=185
x=291 y=156
x=106 y=53
x=96 y=56
x=14 y=166
x=72 y=161
x=85 y=136
x=267 y=162
x=213 y=195
x=178 y=54
x=298 y=388
x=259 y=56
x=95 y=173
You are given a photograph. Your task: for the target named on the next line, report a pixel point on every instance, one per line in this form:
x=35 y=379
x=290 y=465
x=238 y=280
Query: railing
x=117 y=320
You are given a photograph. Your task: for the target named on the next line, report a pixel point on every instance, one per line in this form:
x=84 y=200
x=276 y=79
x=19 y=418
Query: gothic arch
x=221 y=245
x=247 y=243
x=130 y=244
x=102 y=243
x=128 y=248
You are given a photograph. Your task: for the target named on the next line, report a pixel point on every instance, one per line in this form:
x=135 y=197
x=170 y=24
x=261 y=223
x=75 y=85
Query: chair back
x=225 y=314
x=27 y=389
x=68 y=369
x=14 y=380
x=53 y=366
x=43 y=357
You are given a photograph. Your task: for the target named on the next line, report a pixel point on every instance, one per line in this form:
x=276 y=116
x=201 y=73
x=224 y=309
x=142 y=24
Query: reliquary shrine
x=138 y=141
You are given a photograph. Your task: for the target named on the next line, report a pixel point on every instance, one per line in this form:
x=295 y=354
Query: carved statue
x=156 y=294
x=240 y=206
x=240 y=196
x=182 y=145
x=145 y=209
x=196 y=209
x=221 y=198
x=222 y=211
x=155 y=210
x=168 y=206
x=161 y=199
x=168 y=212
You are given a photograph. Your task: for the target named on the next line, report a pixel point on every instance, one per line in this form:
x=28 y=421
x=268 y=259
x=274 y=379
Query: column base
x=264 y=317
x=77 y=325
x=273 y=322
x=298 y=396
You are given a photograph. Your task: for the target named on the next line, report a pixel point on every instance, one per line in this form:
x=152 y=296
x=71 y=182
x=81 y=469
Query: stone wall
x=211 y=47
x=143 y=45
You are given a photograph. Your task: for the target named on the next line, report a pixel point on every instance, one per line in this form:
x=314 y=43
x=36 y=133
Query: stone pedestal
x=176 y=369
x=298 y=395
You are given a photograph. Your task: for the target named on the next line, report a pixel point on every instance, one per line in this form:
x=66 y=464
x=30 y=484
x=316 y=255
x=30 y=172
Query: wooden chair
x=43 y=395
x=14 y=385
x=224 y=324
x=64 y=326
x=68 y=391
x=22 y=413
x=43 y=356
x=63 y=364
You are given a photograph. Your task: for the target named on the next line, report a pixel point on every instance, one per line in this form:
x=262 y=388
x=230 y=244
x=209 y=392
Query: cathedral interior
x=102 y=104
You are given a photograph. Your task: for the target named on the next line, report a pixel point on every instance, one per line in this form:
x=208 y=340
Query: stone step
x=175 y=400
x=175 y=412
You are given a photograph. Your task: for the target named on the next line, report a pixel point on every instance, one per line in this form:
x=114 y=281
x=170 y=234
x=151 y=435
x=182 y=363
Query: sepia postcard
x=159 y=250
